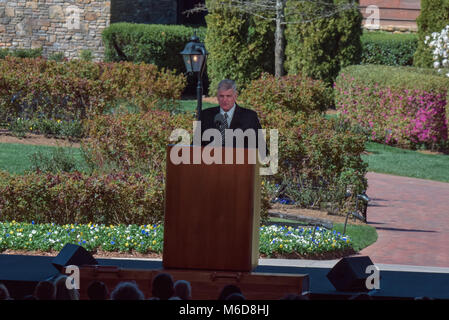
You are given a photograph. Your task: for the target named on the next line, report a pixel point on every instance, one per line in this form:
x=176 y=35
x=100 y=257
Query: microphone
x=219 y=121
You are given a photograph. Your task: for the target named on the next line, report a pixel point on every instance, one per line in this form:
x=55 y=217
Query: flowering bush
x=397 y=106
x=150 y=237
x=439 y=41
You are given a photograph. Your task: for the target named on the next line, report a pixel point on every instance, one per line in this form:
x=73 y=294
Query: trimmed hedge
x=434 y=16
x=132 y=141
x=66 y=198
x=320 y=48
x=319 y=159
x=31 y=88
x=293 y=92
x=150 y=43
x=240 y=45
x=21 y=53
x=402 y=106
x=388 y=49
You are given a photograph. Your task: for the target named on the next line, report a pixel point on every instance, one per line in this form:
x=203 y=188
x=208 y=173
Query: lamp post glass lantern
x=195 y=56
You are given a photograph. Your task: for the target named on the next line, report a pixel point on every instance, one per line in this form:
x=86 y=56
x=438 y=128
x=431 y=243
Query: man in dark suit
x=233 y=116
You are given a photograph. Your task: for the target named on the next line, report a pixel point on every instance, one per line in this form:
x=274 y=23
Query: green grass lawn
x=190 y=105
x=16 y=158
x=408 y=163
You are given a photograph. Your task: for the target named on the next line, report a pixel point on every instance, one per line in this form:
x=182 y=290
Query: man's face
x=226 y=99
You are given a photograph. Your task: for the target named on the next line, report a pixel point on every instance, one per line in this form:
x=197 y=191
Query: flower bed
x=407 y=107
x=274 y=240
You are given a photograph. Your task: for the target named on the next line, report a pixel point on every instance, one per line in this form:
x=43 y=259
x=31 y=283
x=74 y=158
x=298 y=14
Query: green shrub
x=59 y=160
x=319 y=159
x=150 y=43
x=320 y=48
x=67 y=198
x=132 y=141
x=31 y=88
x=388 y=49
x=57 y=56
x=72 y=129
x=21 y=53
x=293 y=92
x=240 y=45
x=86 y=55
x=434 y=16
x=402 y=106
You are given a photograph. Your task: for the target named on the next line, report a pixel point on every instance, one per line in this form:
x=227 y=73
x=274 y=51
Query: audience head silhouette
x=127 y=291
x=162 y=286
x=235 y=296
x=97 y=290
x=183 y=289
x=45 y=290
x=62 y=292
x=228 y=290
x=4 y=293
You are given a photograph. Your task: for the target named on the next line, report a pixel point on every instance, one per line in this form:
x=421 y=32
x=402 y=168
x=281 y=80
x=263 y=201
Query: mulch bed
x=136 y=255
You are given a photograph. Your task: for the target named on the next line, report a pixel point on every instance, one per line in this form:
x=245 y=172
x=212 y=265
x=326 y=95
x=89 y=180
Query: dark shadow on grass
x=404 y=230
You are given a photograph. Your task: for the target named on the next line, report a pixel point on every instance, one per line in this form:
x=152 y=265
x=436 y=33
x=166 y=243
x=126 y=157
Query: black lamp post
x=195 y=56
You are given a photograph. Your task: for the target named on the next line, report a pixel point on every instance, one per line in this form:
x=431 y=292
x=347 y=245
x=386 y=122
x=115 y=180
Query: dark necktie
x=225 y=126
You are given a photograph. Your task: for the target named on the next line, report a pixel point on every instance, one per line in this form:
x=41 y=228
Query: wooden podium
x=211 y=234
x=212 y=212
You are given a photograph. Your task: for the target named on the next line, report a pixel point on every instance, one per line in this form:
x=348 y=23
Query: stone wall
x=55 y=25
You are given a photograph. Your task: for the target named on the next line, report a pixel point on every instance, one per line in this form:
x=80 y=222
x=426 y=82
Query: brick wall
x=54 y=25
x=394 y=15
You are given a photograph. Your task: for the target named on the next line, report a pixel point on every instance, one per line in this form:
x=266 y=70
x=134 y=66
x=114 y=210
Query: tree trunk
x=279 y=39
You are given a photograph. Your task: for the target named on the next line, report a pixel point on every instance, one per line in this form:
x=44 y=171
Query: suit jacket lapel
x=235 y=122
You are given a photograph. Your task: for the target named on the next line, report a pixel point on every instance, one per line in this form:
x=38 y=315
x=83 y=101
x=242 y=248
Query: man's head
x=226 y=94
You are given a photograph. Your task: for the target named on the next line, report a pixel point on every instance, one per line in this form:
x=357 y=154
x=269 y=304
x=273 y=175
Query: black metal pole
x=199 y=97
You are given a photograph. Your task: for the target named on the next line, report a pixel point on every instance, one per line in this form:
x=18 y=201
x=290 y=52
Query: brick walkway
x=412 y=221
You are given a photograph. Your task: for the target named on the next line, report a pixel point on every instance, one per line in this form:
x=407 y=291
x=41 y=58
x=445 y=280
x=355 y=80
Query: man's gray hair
x=226 y=84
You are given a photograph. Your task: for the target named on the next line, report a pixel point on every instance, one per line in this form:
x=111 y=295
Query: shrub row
x=402 y=106
x=150 y=43
x=115 y=198
x=319 y=159
x=132 y=141
x=296 y=93
x=31 y=88
x=388 y=49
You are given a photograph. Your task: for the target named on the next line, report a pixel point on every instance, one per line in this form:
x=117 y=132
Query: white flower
x=436 y=64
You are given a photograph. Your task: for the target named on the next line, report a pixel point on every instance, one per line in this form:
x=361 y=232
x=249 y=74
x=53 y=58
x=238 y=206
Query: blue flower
x=112 y=242
x=32 y=222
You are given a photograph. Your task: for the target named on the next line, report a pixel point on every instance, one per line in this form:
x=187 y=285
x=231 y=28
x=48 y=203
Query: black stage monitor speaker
x=73 y=254
x=349 y=274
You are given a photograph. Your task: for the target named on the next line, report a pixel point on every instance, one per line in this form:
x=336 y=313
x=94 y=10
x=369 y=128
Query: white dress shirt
x=230 y=114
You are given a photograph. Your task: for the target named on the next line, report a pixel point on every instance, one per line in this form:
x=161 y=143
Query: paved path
x=412 y=221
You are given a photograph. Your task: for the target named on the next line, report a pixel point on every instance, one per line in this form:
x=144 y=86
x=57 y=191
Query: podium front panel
x=211 y=215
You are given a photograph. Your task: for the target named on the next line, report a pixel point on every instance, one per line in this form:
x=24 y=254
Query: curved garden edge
x=100 y=254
